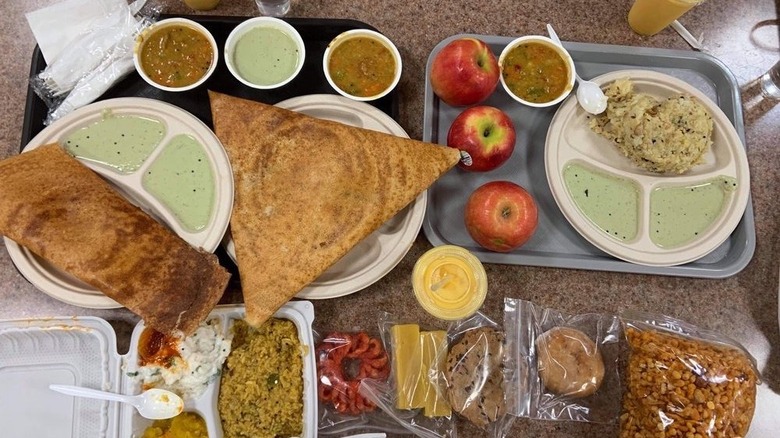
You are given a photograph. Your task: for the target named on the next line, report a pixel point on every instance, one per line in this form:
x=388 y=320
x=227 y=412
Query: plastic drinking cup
x=648 y=17
x=273 y=8
x=770 y=82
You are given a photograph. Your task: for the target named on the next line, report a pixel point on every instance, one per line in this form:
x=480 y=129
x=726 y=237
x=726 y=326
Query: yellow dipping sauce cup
x=449 y=282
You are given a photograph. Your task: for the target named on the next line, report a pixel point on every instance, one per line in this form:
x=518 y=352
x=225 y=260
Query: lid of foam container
x=35 y=353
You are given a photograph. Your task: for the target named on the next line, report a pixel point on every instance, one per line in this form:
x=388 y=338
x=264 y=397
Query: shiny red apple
x=501 y=216
x=486 y=133
x=464 y=72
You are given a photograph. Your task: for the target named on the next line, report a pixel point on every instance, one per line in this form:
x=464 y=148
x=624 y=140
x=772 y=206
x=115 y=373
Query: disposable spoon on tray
x=589 y=94
x=154 y=404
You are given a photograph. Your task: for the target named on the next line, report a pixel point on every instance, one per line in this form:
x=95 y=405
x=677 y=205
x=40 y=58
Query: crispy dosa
x=65 y=213
x=308 y=190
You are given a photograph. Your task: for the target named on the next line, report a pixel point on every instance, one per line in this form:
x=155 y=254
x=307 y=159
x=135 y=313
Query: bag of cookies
x=345 y=360
x=682 y=380
x=414 y=395
x=475 y=374
x=562 y=367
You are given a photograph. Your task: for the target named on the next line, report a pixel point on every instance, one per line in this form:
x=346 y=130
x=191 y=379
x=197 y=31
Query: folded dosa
x=67 y=214
x=308 y=190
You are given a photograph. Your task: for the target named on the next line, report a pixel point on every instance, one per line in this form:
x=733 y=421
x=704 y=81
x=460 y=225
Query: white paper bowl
x=345 y=36
x=253 y=23
x=547 y=42
x=142 y=39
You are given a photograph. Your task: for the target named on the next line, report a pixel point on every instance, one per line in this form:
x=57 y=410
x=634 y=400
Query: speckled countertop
x=743 y=306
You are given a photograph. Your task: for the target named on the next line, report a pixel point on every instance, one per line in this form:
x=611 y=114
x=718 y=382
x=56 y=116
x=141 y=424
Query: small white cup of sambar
x=536 y=71
x=175 y=54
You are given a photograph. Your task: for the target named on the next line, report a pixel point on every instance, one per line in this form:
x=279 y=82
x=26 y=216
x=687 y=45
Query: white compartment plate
x=569 y=139
x=67 y=288
x=35 y=353
x=381 y=251
x=301 y=313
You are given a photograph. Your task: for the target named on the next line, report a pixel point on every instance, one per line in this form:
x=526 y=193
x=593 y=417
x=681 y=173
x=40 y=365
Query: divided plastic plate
x=377 y=254
x=67 y=288
x=570 y=140
x=82 y=351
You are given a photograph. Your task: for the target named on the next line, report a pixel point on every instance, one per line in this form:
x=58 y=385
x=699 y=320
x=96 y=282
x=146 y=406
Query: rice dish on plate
x=261 y=391
x=185 y=365
x=670 y=136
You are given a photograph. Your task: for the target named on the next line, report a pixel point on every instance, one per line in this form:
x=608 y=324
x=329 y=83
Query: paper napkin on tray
x=88 y=46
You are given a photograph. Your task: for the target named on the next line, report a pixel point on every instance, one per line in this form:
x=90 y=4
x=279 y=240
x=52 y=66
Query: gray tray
x=556 y=243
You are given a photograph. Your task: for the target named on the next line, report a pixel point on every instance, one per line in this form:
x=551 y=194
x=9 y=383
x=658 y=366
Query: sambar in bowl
x=175 y=54
x=536 y=71
x=362 y=64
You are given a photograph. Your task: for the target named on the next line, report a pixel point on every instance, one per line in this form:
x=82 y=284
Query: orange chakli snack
x=343 y=361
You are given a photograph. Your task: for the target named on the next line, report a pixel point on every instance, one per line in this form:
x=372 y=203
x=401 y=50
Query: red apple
x=464 y=72
x=486 y=133
x=501 y=216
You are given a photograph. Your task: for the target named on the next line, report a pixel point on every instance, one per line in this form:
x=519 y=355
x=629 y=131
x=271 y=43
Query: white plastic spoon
x=154 y=404
x=589 y=94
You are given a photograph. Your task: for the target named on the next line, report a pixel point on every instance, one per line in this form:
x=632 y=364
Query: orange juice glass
x=648 y=17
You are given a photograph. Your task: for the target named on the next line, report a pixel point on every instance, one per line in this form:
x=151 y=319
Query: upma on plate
x=664 y=137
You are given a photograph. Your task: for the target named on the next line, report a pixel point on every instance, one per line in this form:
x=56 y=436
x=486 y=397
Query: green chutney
x=181 y=178
x=680 y=214
x=265 y=56
x=121 y=142
x=610 y=202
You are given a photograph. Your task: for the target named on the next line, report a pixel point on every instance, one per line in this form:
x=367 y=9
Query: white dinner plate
x=380 y=252
x=570 y=140
x=67 y=288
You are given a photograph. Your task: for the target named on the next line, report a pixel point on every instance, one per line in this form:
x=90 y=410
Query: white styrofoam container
x=35 y=353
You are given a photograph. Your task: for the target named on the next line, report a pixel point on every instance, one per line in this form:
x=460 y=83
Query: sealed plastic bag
x=475 y=373
x=562 y=367
x=685 y=381
x=344 y=360
x=415 y=396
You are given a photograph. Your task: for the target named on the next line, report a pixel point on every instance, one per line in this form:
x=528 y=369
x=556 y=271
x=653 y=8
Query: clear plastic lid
x=449 y=282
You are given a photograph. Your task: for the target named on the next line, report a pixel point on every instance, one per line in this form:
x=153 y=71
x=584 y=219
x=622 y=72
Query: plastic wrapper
x=476 y=374
x=94 y=61
x=562 y=367
x=345 y=359
x=415 y=394
x=438 y=376
x=682 y=380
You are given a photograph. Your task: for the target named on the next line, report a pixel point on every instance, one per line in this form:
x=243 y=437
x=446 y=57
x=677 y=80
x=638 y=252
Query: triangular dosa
x=65 y=213
x=308 y=190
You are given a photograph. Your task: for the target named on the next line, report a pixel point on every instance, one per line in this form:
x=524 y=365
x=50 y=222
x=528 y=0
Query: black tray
x=316 y=34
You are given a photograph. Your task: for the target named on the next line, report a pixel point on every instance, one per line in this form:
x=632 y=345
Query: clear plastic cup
x=648 y=17
x=273 y=8
x=770 y=82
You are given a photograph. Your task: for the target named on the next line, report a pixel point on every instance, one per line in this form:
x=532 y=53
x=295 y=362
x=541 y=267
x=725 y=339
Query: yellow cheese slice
x=407 y=361
x=434 y=357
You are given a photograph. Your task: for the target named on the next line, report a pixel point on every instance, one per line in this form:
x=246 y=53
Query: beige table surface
x=744 y=35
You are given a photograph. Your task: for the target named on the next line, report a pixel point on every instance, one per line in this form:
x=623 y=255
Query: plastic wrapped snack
x=685 y=381
x=562 y=367
x=475 y=374
x=345 y=359
x=415 y=395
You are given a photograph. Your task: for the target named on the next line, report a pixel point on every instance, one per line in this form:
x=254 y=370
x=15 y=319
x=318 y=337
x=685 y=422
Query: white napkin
x=88 y=46
x=56 y=26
